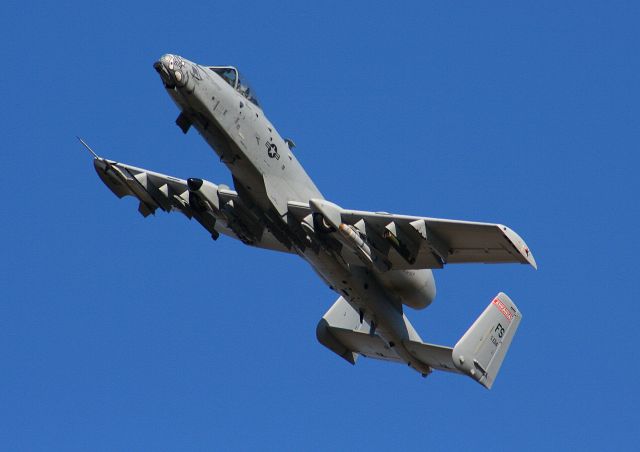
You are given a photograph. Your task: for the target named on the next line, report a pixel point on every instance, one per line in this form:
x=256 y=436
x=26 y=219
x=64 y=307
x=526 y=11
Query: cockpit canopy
x=232 y=76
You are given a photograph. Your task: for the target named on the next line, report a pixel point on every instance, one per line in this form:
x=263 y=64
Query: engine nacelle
x=416 y=288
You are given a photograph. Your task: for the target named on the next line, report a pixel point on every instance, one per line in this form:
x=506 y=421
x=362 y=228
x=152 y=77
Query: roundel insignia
x=272 y=150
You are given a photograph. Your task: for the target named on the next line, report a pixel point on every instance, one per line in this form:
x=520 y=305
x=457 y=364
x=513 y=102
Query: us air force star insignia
x=272 y=151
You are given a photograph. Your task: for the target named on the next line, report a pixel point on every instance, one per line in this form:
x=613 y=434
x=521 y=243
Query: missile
x=355 y=242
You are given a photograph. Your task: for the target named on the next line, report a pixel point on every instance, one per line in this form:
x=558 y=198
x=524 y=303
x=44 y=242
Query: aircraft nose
x=171 y=70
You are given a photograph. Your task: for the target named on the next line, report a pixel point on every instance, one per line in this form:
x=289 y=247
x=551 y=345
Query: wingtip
x=528 y=255
x=520 y=245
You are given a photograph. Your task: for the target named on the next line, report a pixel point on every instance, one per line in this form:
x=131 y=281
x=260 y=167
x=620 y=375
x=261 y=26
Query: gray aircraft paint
x=377 y=262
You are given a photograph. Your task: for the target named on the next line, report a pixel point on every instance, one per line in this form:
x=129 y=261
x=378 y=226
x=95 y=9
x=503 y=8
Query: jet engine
x=416 y=288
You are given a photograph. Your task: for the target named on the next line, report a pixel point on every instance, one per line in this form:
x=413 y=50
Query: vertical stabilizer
x=480 y=352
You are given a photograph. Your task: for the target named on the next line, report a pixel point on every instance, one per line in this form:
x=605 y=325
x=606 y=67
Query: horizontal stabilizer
x=342 y=331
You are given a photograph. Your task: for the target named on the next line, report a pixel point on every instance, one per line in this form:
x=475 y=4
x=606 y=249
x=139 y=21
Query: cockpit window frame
x=232 y=68
x=246 y=90
x=242 y=87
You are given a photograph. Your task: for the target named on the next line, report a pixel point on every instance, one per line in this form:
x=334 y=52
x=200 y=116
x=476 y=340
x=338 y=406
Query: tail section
x=480 y=352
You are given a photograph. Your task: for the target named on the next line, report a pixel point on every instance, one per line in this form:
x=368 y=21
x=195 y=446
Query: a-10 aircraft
x=376 y=262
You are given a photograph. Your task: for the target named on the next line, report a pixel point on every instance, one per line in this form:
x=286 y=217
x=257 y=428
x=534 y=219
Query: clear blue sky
x=124 y=333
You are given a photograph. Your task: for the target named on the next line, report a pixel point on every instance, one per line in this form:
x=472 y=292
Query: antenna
x=88 y=147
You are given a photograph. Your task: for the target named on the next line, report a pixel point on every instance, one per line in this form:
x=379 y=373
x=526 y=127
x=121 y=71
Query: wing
x=407 y=242
x=218 y=209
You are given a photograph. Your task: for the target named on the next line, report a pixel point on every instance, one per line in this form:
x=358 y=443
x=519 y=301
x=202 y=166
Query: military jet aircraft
x=378 y=263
